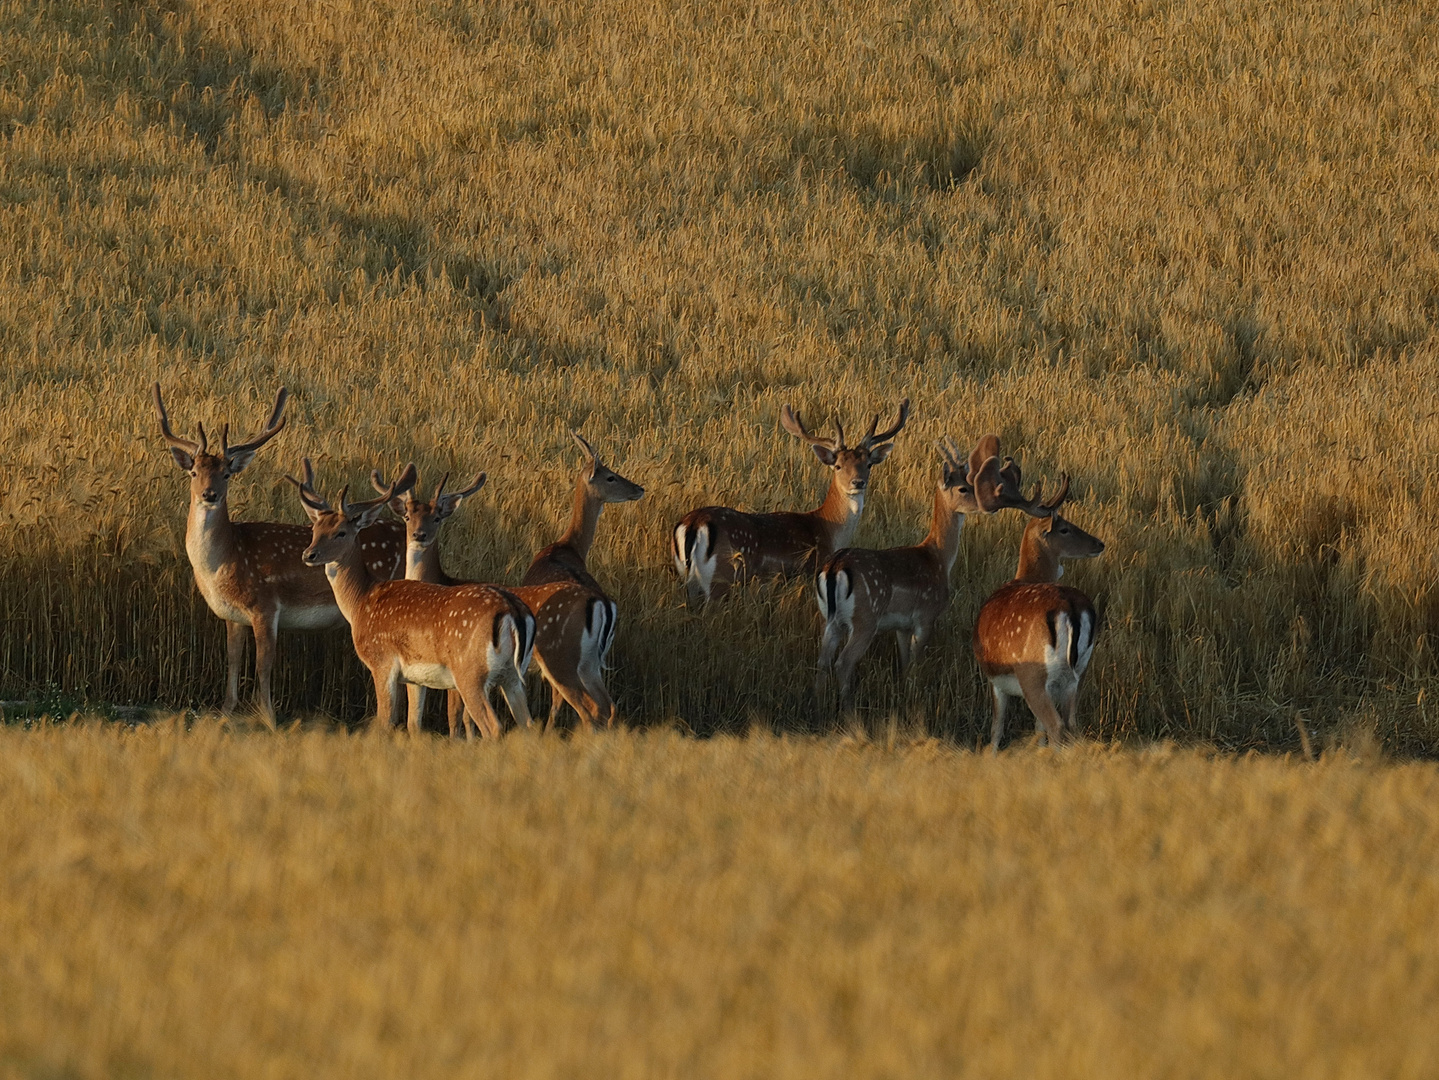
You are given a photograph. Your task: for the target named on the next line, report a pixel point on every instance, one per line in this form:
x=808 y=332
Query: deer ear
x=825 y=454
x=368 y=516
x=880 y=452
x=182 y=459
x=237 y=462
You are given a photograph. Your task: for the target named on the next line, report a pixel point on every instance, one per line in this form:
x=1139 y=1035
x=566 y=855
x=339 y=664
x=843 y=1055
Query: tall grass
x=1186 y=252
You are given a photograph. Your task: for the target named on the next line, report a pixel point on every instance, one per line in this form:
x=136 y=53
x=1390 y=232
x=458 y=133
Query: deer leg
x=849 y=658
x=265 y=626
x=1036 y=696
x=996 y=727
x=234 y=660
x=455 y=708
x=904 y=639
x=417 y=708
x=478 y=709
x=829 y=644
x=386 y=685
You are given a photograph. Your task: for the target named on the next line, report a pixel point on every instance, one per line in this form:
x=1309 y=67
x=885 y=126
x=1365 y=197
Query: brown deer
x=716 y=547
x=1034 y=638
x=469 y=638
x=574 y=624
x=863 y=592
x=564 y=560
x=249 y=572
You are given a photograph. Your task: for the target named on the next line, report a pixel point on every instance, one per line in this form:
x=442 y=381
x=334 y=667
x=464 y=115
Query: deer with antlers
x=250 y=572
x=1034 y=637
x=863 y=592
x=469 y=638
x=574 y=624
x=716 y=547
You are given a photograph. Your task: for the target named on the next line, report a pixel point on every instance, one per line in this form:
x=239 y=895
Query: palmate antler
x=998 y=483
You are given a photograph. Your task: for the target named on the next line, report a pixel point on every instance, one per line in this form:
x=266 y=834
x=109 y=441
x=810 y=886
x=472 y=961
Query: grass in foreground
x=206 y=903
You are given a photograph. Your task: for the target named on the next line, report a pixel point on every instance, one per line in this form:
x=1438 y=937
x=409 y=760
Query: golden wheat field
x=1184 y=252
x=202 y=903
x=1187 y=253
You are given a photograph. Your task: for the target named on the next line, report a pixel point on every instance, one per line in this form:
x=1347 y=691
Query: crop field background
x=311 y=905
x=1188 y=253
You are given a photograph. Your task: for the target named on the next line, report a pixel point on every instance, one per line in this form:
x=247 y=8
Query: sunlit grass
x=1185 y=252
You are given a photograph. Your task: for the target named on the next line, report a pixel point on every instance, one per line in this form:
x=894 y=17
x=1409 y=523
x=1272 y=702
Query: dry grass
x=312 y=905
x=1185 y=251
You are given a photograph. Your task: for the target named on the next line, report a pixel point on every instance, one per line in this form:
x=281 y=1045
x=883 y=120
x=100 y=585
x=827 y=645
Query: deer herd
x=412 y=623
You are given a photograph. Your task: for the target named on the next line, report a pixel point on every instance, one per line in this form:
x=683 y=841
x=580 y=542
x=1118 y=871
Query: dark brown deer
x=716 y=547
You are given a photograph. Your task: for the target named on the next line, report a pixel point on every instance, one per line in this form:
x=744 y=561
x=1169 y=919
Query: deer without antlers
x=250 y=573
x=468 y=638
x=574 y=624
x=565 y=559
x=863 y=592
x=1034 y=638
x=716 y=547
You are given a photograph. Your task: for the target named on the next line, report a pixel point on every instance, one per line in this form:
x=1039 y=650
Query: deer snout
x=310 y=558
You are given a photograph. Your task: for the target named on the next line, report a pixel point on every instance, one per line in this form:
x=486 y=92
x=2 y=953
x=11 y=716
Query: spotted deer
x=716 y=547
x=1034 y=637
x=864 y=592
x=574 y=624
x=250 y=572
x=469 y=638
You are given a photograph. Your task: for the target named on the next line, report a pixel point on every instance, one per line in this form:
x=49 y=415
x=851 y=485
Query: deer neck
x=423 y=564
x=840 y=513
x=1037 y=563
x=209 y=536
x=584 y=518
x=944 y=529
x=351 y=581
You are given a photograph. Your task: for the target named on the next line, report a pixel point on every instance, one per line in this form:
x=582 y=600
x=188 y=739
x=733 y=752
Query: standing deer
x=863 y=592
x=716 y=547
x=574 y=624
x=564 y=560
x=469 y=638
x=1034 y=638
x=250 y=572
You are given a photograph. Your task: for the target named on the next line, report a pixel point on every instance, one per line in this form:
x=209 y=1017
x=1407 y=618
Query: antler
x=272 y=428
x=871 y=439
x=953 y=462
x=475 y=485
x=171 y=439
x=399 y=487
x=403 y=482
x=308 y=495
x=998 y=486
x=790 y=421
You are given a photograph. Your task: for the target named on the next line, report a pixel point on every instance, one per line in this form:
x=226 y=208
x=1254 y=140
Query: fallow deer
x=469 y=638
x=574 y=624
x=863 y=592
x=1034 y=638
x=716 y=547
x=565 y=559
x=249 y=572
